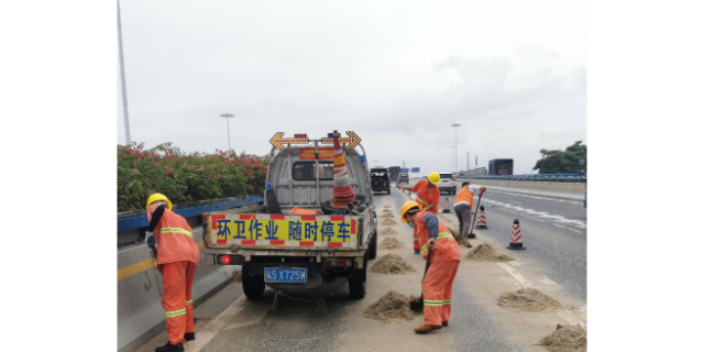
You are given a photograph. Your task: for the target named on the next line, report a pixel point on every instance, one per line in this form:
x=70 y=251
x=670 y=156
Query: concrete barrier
x=140 y=315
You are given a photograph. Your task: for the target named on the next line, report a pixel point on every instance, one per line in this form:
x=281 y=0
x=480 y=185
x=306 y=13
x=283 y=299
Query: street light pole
x=228 y=117
x=455 y=156
x=128 y=139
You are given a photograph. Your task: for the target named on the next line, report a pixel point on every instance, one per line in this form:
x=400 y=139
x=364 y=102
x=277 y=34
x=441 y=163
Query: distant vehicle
x=501 y=167
x=394 y=171
x=402 y=179
x=447 y=183
x=381 y=180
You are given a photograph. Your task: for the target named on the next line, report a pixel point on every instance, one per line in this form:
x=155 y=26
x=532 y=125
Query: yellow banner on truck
x=285 y=231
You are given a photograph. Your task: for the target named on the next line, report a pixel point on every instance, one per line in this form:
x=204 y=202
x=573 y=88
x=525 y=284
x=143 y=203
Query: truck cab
x=296 y=240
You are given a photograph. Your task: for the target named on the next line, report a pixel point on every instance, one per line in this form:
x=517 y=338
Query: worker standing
x=435 y=238
x=463 y=207
x=177 y=260
x=428 y=198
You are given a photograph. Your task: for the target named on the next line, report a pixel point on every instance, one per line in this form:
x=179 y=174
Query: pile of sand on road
x=392 y=305
x=387 y=210
x=570 y=338
x=387 y=216
x=393 y=264
x=387 y=231
x=486 y=253
x=529 y=300
x=388 y=222
x=391 y=243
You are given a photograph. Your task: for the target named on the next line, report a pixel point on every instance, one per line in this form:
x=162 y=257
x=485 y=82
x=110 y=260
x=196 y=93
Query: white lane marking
x=540 y=214
x=216 y=325
x=564 y=313
x=547 y=281
x=521 y=280
x=566 y=228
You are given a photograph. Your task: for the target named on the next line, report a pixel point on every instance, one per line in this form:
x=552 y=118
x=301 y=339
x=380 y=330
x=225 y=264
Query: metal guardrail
x=140 y=221
x=536 y=177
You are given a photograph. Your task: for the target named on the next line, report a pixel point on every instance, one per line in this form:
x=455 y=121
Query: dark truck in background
x=394 y=171
x=501 y=167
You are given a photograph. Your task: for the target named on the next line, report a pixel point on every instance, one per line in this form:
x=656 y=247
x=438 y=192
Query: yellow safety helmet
x=434 y=178
x=406 y=207
x=156 y=197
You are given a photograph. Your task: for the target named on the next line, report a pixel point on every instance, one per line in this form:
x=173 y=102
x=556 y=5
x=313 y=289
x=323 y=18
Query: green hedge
x=184 y=179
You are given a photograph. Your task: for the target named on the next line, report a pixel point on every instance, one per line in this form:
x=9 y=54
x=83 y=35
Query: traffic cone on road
x=516 y=237
x=481 y=219
x=446 y=207
x=342 y=192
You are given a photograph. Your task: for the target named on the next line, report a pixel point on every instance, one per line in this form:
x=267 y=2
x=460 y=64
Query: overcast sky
x=398 y=73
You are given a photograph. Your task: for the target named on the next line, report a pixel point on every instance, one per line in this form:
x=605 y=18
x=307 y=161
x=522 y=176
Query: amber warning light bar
x=302 y=138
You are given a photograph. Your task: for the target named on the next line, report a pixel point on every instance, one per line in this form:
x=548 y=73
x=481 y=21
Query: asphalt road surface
x=555 y=258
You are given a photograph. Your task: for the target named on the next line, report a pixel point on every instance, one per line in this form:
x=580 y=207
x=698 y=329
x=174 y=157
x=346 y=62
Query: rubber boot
x=445 y=323
x=170 y=348
x=426 y=328
x=190 y=336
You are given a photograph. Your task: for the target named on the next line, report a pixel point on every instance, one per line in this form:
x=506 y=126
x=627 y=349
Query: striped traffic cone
x=516 y=237
x=481 y=219
x=446 y=207
x=342 y=192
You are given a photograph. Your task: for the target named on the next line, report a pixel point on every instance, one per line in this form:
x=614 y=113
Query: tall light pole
x=122 y=76
x=228 y=117
x=455 y=156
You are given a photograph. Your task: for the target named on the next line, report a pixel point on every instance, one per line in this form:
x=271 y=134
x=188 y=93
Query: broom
x=417 y=304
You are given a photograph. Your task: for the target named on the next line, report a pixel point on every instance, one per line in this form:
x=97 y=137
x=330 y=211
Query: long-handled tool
x=471 y=229
x=417 y=304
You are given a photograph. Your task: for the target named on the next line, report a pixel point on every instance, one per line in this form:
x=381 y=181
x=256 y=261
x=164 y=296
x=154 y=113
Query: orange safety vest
x=174 y=239
x=465 y=195
x=446 y=248
x=426 y=196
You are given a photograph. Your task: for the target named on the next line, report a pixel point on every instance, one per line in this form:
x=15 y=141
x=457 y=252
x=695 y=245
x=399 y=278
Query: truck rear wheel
x=358 y=282
x=372 y=247
x=253 y=286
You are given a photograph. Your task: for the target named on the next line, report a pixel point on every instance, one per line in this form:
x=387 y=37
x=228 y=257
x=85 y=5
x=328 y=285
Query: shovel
x=417 y=304
x=471 y=229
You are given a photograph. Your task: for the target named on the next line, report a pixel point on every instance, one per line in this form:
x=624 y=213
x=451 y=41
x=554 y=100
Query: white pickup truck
x=296 y=241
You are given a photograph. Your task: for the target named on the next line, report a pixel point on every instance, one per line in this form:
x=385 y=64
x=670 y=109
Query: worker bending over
x=428 y=197
x=177 y=260
x=463 y=207
x=435 y=238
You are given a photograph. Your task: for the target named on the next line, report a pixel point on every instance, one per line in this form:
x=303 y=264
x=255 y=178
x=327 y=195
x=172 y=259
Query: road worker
x=428 y=198
x=435 y=238
x=177 y=260
x=463 y=207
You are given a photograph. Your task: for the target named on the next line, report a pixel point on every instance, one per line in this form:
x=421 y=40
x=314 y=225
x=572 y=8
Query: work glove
x=151 y=242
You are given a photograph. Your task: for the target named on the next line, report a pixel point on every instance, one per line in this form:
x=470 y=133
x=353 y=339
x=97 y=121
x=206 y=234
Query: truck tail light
x=337 y=262
x=224 y=259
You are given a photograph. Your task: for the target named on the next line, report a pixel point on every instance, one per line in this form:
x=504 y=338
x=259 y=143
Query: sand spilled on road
x=529 y=300
x=486 y=253
x=569 y=338
x=392 y=264
x=391 y=243
x=387 y=231
x=387 y=211
x=392 y=305
x=388 y=222
x=387 y=216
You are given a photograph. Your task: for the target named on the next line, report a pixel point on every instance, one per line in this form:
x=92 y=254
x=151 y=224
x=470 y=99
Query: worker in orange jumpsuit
x=428 y=198
x=435 y=238
x=177 y=260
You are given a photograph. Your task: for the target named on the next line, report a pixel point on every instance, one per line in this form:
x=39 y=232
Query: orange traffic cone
x=342 y=192
x=516 y=237
x=446 y=207
x=481 y=219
